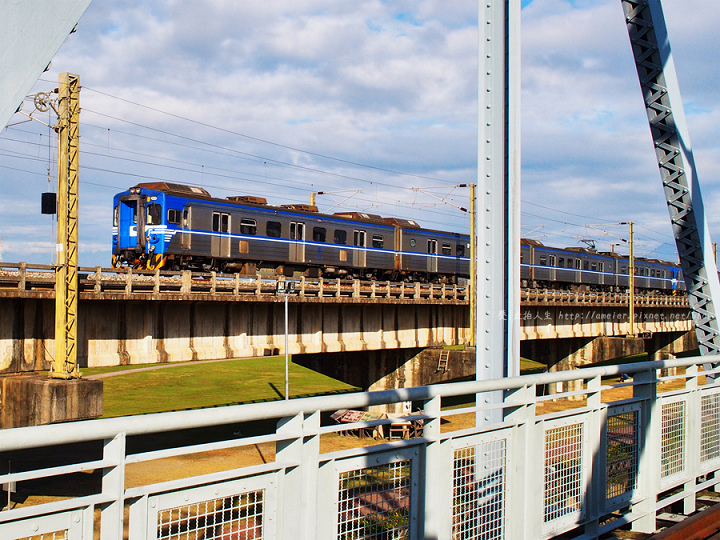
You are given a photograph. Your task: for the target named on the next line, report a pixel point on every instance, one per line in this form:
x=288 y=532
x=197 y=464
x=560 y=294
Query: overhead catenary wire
x=294 y=184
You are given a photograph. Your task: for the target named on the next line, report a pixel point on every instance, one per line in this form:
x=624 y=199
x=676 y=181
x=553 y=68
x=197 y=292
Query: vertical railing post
x=595 y=488
x=156 y=281
x=648 y=471
x=436 y=474
x=185 y=282
x=113 y=486
x=524 y=494
x=291 y=507
x=693 y=420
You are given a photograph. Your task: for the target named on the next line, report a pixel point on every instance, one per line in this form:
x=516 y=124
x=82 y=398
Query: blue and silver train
x=164 y=225
x=174 y=226
x=578 y=268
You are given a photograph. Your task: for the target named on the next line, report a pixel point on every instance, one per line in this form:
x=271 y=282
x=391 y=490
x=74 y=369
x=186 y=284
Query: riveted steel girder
x=656 y=72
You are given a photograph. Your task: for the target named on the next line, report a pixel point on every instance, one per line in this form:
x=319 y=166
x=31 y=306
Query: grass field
x=208 y=384
x=217 y=383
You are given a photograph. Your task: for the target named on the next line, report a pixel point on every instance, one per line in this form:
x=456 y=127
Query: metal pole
x=66 y=293
x=287 y=376
x=631 y=282
x=473 y=265
x=498 y=216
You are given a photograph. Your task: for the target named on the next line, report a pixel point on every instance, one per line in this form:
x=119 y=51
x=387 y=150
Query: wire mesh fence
x=239 y=516
x=479 y=489
x=374 y=502
x=672 y=451
x=622 y=439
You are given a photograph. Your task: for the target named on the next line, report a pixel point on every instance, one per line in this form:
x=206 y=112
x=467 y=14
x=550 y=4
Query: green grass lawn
x=213 y=384
x=209 y=384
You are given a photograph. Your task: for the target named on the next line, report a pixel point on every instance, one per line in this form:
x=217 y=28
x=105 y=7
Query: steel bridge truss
x=656 y=72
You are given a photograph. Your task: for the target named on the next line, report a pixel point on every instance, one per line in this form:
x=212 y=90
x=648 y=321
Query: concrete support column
x=571 y=353
x=662 y=345
x=391 y=368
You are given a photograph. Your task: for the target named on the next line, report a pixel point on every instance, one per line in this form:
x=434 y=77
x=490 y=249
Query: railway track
x=29 y=280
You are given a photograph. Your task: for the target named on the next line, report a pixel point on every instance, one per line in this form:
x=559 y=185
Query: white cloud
x=391 y=84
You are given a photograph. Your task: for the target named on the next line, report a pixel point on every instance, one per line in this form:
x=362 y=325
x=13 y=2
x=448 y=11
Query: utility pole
x=473 y=264
x=631 y=281
x=66 y=276
x=631 y=278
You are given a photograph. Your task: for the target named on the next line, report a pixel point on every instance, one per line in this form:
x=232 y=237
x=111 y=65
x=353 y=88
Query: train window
x=359 y=238
x=601 y=266
x=340 y=236
x=186 y=219
x=116 y=216
x=248 y=226
x=273 y=229
x=593 y=266
x=561 y=262
x=553 y=260
x=570 y=263
x=543 y=260
x=432 y=246
x=412 y=242
x=221 y=222
x=585 y=265
x=378 y=242
x=623 y=270
x=446 y=249
x=154 y=214
x=173 y=216
x=460 y=251
x=578 y=263
x=319 y=234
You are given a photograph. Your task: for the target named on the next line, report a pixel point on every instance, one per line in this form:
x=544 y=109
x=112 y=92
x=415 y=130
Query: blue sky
x=367 y=100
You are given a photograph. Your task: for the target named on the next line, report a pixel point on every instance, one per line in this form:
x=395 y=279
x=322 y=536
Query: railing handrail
x=88 y=430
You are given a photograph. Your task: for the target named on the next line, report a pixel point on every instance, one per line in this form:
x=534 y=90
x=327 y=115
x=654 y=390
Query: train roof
x=180 y=189
x=183 y=190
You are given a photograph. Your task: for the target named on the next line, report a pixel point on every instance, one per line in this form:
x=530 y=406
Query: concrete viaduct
x=370 y=334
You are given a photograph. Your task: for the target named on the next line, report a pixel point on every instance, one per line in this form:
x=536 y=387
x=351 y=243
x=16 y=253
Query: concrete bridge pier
x=571 y=353
x=391 y=368
x=662 y=346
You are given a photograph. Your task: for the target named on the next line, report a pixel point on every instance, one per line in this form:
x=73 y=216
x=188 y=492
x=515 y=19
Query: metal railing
x=535 y=474
x=29 y=279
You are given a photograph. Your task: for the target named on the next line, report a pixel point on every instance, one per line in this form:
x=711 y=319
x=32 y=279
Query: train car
x=578 y=268
x=165 y=225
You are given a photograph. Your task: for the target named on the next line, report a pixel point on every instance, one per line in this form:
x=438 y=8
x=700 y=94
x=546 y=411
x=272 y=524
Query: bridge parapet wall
x=553 y=321
x=141 y=332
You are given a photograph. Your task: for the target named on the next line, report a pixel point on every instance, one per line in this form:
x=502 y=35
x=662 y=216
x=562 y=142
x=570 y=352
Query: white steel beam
x=498 y=191
x=30 y=35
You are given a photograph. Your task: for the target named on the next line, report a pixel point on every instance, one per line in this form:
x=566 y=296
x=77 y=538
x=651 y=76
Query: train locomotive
x=178 y=227
x=174 y=226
